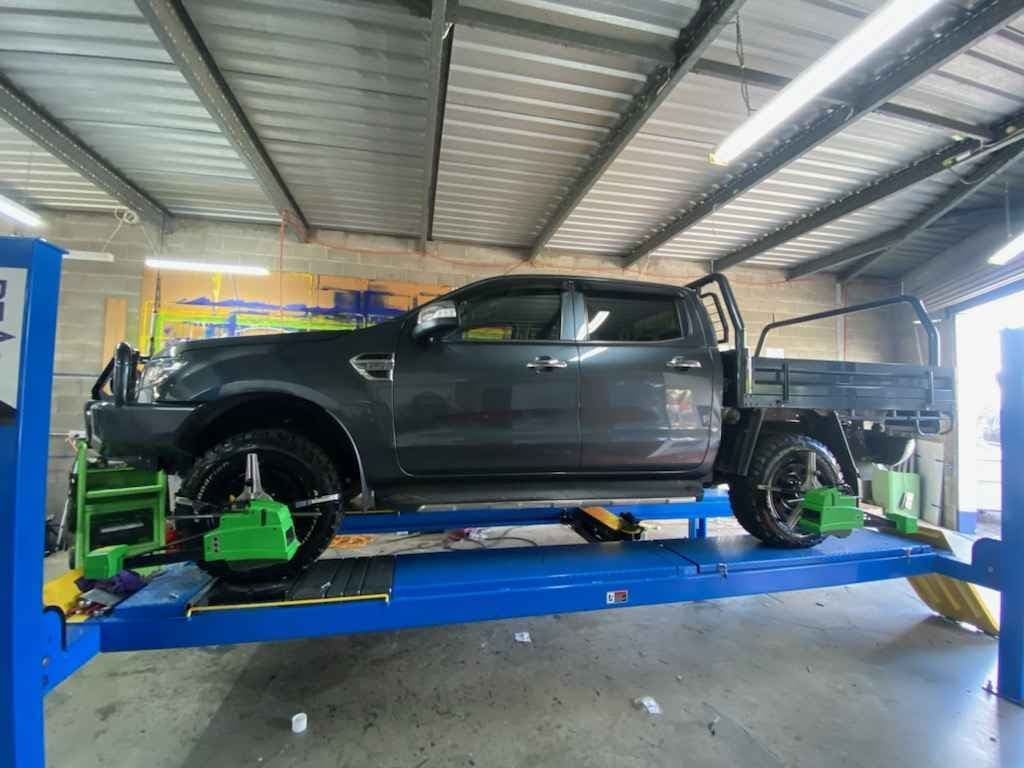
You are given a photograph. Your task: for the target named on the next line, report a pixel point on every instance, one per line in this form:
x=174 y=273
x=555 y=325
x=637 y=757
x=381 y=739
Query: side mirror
x=436 y=319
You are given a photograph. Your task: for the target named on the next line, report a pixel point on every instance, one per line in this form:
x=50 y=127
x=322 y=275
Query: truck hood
x=272 y=339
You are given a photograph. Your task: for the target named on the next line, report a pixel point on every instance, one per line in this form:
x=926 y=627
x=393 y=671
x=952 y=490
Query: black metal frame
x=913 y=301
x=441 y=37
x=739 y=330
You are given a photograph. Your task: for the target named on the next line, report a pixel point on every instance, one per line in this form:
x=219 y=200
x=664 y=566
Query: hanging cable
x=741 y=59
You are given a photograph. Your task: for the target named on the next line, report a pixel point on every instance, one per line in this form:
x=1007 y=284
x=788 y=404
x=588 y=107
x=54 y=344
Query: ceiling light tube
x=202 y=266
x=89 y=256
x=1008 y=252
x=19 y=213
x=874 y=32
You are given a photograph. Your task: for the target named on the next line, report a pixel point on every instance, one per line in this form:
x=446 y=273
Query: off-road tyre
x=773 y=459
x=292 y=468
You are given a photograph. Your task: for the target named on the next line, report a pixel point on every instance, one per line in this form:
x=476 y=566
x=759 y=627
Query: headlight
x=154 y=374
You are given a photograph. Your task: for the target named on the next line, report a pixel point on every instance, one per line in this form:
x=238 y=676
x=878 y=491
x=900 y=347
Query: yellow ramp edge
x=952 y=598
x=62 y=592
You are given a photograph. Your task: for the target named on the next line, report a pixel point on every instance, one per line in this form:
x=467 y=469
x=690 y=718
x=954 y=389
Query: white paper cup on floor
x=299 y=722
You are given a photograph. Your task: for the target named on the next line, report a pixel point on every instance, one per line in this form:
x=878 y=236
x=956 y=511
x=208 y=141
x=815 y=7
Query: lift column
x=29 y=282
x=1011 y=565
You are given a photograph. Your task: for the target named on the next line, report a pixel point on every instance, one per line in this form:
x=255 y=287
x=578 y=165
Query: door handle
x=546 y=363
x=682 y=362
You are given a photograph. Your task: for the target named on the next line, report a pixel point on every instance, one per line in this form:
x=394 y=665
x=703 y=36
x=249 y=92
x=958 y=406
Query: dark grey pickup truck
x=532 y=390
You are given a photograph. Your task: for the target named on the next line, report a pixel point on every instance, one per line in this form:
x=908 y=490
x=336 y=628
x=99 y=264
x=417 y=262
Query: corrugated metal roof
x=98 y=68
x=35 y=178
x=337 y=93
x=985 y=208
x=665 y=169
x=522 y=119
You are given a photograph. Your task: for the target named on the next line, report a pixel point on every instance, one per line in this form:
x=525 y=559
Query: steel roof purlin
x=989 y=167
x=175 y=30
x=440 y=54
x=701 y=30
x=933 y=47
x=22 y=113
x=877 y=189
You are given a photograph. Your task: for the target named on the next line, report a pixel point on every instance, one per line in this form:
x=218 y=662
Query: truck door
x=500 y=394
x=647 y=377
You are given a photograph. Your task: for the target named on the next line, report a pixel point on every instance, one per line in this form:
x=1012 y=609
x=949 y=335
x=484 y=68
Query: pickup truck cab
x=524 y=390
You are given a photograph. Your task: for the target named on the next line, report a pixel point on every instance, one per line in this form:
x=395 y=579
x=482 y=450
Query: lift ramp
x=456 y=587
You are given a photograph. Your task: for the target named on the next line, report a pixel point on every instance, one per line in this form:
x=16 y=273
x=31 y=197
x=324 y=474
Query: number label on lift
x=617 y=597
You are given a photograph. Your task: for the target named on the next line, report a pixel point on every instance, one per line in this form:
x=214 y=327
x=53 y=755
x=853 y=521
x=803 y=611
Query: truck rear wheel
x=292 y=468
x=767 y=501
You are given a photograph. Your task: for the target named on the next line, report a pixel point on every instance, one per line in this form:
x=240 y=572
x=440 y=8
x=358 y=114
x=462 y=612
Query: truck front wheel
x=292 y=468
x=767 y=500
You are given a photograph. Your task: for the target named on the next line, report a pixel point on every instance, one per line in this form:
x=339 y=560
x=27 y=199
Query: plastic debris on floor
x=648 y=703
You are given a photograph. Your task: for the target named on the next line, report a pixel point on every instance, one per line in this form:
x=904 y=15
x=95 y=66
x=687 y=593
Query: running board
x=451 y=496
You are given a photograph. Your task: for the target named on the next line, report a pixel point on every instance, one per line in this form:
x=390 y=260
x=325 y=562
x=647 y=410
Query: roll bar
x=732 y=309
x=913 y=301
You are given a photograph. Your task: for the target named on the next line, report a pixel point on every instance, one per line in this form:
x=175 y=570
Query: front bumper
x=146 y=434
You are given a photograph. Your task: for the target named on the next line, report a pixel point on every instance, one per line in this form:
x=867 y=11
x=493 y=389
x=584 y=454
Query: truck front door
x=500 y=394
x=647 y=381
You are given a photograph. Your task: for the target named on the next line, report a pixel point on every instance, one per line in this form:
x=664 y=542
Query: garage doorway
x=978 y=362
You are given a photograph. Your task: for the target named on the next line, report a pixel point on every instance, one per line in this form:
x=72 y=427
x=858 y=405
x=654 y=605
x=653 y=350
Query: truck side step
x=516 y=493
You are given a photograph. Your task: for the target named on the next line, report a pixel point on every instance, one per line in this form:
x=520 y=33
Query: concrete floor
x=849 y=676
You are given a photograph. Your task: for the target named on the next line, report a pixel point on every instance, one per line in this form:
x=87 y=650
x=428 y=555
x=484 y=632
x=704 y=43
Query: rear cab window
x=627 y=316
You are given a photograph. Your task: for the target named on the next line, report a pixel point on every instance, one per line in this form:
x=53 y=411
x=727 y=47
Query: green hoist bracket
x=262 y=530
x=254 y=529
x=826 y=510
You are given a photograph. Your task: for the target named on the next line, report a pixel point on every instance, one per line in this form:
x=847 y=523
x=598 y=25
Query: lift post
x=29 y=292
x=1011 y=562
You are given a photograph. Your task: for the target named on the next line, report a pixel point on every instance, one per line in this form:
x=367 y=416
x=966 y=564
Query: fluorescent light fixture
x=1008 y=252
x=19 y=213
x=202 y=266
x=874 y=32
x=89 y=256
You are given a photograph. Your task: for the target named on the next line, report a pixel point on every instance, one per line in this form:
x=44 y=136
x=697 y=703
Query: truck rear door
x=647 y=380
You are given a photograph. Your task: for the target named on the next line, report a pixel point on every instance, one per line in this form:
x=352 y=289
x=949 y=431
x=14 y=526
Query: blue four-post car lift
x=39 y=649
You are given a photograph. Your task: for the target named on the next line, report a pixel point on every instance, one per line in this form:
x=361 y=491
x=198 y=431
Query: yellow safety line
x=287 y=603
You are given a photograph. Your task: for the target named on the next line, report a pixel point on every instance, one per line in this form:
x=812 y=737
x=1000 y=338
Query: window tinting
x=631 y=317
x=528 y=314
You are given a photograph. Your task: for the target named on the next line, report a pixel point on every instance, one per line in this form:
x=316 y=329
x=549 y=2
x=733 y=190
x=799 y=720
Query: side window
x=511 y=314
x=632 y=317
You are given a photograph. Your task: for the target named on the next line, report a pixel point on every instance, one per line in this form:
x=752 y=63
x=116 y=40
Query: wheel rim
x=788 y=482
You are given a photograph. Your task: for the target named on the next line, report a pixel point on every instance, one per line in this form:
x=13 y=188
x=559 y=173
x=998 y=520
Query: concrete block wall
x=764 y=295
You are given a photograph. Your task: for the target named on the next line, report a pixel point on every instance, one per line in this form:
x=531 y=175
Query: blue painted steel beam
x=455 y=587
x=29 y=284
x=1011 y=620
x=714 y=504
x=66 y=648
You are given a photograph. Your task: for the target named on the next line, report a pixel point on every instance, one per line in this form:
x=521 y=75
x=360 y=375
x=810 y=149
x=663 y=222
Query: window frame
x=566 y=324
x=686 y=325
